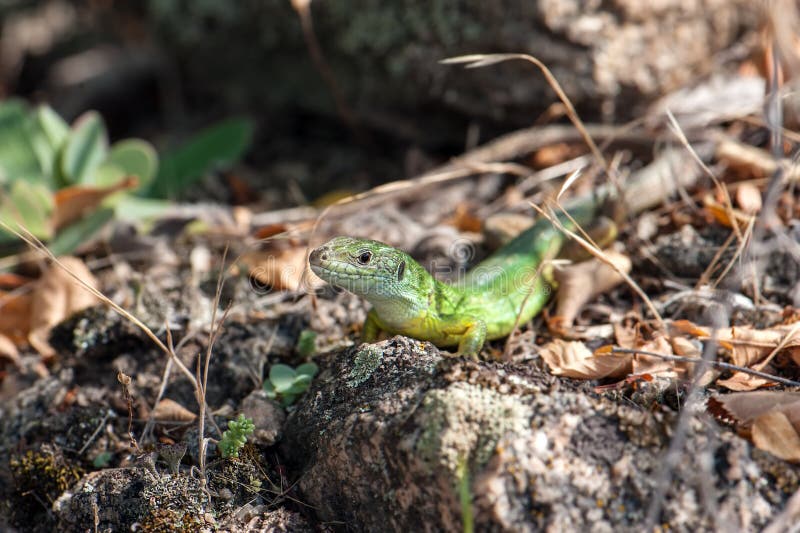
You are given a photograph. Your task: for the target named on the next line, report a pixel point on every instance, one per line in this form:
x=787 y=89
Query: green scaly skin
x=508 y=288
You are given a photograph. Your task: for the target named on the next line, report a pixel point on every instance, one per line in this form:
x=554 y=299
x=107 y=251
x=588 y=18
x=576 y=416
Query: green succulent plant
x=235 y=437
x=285 y=383
x=40 y=154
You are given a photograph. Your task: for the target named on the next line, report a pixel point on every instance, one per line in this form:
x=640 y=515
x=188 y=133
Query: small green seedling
x=235 y=437
x=285 y=383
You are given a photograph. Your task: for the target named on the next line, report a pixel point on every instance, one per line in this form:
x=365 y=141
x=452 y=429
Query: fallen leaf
x=553 y=154
x=15 y=316
x=55 y=297
x=277 y=269
x=241 y=191
x=724 y=215
x=686 y=348
x=270 y=230
x=75 y=202
x=648 y=364
x=741 y=381
x=626 y=333
x=746 y=345
x=168 y=410
x=772 y=432
x=9 y=281
x=464 y=219
x=752 y=345
x=688 y=327
x=332 y=197
x=8 y=350
x=582 y=282
x=573 y=359
x=742 y=408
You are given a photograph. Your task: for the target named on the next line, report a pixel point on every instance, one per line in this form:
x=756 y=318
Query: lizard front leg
x=372 y=329
x=472 y=339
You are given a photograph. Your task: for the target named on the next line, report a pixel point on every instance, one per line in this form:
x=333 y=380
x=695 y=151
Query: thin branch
x=715 y=364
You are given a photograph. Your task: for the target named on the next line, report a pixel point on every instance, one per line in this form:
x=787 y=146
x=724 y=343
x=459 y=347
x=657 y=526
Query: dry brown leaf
x=747 y=345
x=9 y=281
x=15 y=316
x=55 y=297
x=270 y=230
x=279 y=269
x=573 y=359
x=8 y=350
x=500 y=228
x=748 y=197
x=581 y=282
x=72 y=203
x=241 y=191
x=686 y=348
x=740 y=381
x=626 y=333
x=752 y=345
x=648 y=364
x=774 y=433
x=553 y=154
x=464 y=219
x=723 y=215
x=171 y=411
x=743 y=408
x=688 y=327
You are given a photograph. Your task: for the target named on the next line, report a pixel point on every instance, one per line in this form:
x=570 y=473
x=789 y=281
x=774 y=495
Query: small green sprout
x=235 y=437
x=286 y=383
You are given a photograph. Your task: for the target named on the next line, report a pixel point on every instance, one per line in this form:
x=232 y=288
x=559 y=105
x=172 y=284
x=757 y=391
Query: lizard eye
x=364 y=257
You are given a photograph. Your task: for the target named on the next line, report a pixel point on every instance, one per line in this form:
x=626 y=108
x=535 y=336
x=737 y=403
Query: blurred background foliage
x=275 y=102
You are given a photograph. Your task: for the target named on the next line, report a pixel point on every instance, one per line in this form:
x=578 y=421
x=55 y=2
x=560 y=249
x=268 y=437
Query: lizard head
x=367 y=268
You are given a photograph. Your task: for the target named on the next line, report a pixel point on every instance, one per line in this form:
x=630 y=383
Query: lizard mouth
x=337 y=272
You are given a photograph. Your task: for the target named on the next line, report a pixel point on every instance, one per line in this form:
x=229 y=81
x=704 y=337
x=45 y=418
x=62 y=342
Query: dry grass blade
x=789 y=337
x=678 y=131
x=598 y=253
x=479 y=60
x=748 y=234
x=483 y=60
x=568 y=183
x=303 y=10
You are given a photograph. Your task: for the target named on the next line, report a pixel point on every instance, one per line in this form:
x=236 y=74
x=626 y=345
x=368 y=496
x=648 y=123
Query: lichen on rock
x=366 y=360
x=464 y=422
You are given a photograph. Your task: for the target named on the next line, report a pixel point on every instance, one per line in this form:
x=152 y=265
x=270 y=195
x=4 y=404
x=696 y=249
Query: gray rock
x=267 y=415
x=401 y=447
x=611 y=57
x=117 y=498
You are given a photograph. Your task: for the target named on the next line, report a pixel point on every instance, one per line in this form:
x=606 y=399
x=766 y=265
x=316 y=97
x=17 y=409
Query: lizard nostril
x=324 y=257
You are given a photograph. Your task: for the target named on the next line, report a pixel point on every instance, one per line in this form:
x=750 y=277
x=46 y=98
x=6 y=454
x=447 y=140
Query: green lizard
x=508 y=288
